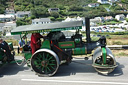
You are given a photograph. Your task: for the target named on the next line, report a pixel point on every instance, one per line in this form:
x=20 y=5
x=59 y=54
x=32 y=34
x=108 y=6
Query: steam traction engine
x=56 y=48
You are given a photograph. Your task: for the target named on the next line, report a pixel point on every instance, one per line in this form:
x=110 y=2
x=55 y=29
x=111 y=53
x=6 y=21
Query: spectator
x=35 y=42
x=5 y=48
x=21 y=43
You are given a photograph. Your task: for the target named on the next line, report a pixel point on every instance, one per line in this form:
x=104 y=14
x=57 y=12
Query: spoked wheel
x=45 y=62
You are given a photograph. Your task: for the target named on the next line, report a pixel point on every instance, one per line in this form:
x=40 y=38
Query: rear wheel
x=45 y=62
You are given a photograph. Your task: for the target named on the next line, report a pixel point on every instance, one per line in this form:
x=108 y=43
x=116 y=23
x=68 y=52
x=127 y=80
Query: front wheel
x=45 y=62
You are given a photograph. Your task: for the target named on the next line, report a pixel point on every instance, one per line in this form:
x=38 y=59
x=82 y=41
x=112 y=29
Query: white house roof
x=108 y=17
x=121 y=15
x=41 y=20
x=73 y=19
x=6 y=16
x=10 y=24
x=23 y=12
x=79 y=18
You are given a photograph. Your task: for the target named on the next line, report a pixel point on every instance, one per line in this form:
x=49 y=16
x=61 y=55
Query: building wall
x=120 y=17
x=38 y=22
x=103 y=1
x=7 y=18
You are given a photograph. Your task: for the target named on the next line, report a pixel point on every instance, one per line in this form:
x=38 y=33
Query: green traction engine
x=57 y=49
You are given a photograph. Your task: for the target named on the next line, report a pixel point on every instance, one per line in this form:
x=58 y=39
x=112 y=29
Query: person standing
x=21 y=43
x=35 y=42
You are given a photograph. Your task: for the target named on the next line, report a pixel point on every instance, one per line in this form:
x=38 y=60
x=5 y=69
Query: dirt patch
x=120 y=53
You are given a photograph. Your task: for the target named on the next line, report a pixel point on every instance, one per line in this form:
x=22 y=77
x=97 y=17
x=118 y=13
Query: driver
x=35 y=41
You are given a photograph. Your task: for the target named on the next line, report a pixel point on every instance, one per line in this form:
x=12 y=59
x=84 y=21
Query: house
x=100 y=19
x=108 y=18
x=7 y=17
x=73 y=19
x=53 y=10
x=21 y=14
x=9 y=11
x=120 y=17
x=93 y=22
x=96 y=20
x=121 y=5
x=93 y=5
x=103 y=1
x=8 y=27
x=41 y=21
x=69 y=19
x=1 y=27
x=113 y=1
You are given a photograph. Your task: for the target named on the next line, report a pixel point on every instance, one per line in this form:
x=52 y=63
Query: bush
x=60 y=19
x=33 y=17
x=62 y=12
x=15 y=42
x=52 y=18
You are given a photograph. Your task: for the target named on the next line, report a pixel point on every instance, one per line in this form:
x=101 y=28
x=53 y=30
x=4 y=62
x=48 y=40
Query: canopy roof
x=59 y=26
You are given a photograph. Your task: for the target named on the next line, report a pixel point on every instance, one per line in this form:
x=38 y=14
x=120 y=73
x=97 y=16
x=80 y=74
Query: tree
x=54 y=14
x=23 y=21
x=75 y=8
x=124 y=1
x=127 y=19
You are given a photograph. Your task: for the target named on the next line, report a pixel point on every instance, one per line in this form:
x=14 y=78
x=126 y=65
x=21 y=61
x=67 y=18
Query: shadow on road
x=11 y=69
x=76 y=66
x=82 y=66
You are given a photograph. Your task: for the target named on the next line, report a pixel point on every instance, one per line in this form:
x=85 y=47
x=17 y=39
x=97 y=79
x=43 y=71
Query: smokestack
x=87 y=24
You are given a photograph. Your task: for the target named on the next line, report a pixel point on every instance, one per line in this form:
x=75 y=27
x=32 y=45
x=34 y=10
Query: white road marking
x=66 y=81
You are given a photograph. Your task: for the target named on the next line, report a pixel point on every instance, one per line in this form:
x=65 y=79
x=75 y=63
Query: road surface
x=77 y=73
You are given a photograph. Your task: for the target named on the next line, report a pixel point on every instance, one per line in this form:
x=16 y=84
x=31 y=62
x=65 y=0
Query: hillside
x=3 y=5
x=39 y=8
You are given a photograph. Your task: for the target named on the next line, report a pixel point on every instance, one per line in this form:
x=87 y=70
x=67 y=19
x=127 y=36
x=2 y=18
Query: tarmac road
x=73 y=74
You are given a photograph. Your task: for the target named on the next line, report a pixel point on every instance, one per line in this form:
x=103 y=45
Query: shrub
x=60 y=19
x=52 y=18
